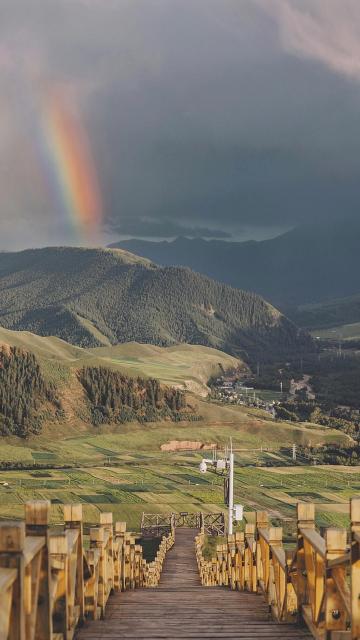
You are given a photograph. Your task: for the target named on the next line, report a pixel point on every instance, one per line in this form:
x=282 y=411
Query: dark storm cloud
x=205 y=114
x=143 y=227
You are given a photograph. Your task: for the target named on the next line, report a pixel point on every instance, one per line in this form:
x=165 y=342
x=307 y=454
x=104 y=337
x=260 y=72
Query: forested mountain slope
x=93 y=297
x=309 y=264
x=341 y=311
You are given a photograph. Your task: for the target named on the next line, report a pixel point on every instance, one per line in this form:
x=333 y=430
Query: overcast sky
x=226 y=118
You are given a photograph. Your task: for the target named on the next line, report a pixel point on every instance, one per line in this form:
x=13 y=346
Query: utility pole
x=228 y=466
x=294 y=452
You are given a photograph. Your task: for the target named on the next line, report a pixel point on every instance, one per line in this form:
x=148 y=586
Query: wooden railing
x=317 y=580
x=158 y=524
x=50 y=583
x=152 y=570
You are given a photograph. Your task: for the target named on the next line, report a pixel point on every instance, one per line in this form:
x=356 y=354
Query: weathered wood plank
x=180 y=608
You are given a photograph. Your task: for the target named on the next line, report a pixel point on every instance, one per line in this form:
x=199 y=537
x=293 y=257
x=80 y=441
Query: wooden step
x=181 y=609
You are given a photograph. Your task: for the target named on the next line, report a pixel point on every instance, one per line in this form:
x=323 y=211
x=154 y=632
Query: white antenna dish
x=203 y=467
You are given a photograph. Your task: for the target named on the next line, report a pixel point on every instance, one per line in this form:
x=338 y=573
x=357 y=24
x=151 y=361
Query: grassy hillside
x=184 y=365
x=249 y=428
x=94 y=297
x=46 y=381
x=28 y=400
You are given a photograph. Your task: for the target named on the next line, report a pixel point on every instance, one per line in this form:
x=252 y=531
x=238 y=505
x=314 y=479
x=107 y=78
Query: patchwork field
x=173 y=483
x=125 y=471
x=123 y=468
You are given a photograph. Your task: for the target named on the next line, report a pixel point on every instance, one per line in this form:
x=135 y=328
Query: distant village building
x=227 y=384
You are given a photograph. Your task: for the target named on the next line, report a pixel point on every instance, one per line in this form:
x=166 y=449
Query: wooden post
x=12 y=542
x=73 y=517
x=335 y=612
x=275 y=540
x=138 y=564
x=59 y=551
x=250 y=558
x=7 y=579
x=119 y=577
x=97 y=540
x=106 y=521
x=305 y=512
x=127 y=571
x=37 y=519
x=92 y=586
x=262 y=522
x=355 y=567
x=133 y=561
x=239 y=559
x=120 y=528
x=231 y=563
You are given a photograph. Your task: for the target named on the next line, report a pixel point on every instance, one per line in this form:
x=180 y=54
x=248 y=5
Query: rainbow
x=71 y=166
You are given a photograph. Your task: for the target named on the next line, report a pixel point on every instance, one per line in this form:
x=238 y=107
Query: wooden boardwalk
x=180 y=608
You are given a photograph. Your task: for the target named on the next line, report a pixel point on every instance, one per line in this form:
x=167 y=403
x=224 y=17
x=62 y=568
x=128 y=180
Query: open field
x=340 y=332
x=172 y=482
x=124 y=470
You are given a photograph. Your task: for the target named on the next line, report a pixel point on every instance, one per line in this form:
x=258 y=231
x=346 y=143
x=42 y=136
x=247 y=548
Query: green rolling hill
x=44 y=380
x=184 y=365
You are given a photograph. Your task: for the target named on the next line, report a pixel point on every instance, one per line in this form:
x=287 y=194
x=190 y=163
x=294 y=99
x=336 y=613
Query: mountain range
x=309 y=264
x=93 y=297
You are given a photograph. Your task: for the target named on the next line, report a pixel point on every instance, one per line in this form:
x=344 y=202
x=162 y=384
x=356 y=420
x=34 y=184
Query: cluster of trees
x=298 y=410
x=271 y=375
x=114 y=397
x=27 y=399
x=334 y=378
x=341 y=418
x=331 y=454
x=23 y=393
x=337 y=380
x=7 y=465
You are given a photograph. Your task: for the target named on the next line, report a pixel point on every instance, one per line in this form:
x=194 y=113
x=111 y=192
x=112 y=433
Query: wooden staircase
x=53 y=586
x=180 y=608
